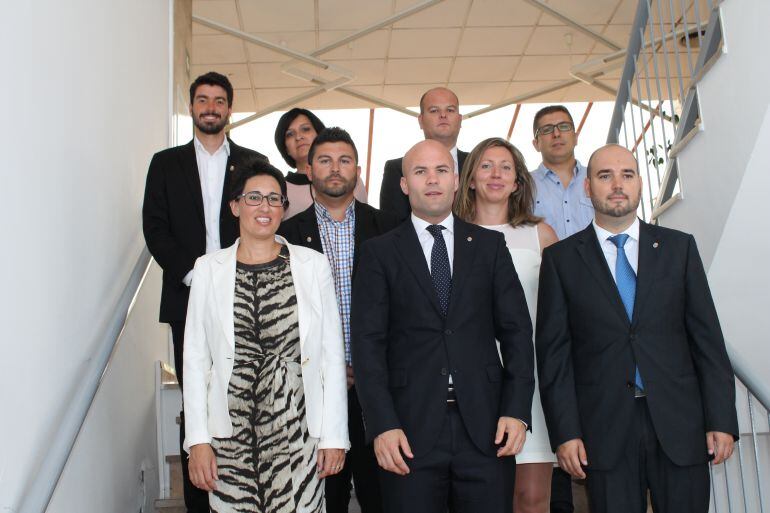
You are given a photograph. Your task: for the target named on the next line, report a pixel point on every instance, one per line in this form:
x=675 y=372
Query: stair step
x=170 y=505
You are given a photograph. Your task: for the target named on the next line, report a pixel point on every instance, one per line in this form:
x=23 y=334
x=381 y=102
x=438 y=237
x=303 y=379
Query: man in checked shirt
x=336 y=224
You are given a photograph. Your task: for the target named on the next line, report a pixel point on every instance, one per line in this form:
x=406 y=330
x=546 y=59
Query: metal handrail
x=38 y=494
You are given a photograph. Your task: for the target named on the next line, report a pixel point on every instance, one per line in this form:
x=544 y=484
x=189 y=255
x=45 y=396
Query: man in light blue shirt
x=560 y=199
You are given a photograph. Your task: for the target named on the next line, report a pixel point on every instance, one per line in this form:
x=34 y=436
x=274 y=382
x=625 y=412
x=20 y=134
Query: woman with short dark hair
x=265 y=394
x=295 y=132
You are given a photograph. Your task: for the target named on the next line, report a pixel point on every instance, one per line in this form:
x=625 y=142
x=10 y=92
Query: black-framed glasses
x=255 y=198
x=564 y=126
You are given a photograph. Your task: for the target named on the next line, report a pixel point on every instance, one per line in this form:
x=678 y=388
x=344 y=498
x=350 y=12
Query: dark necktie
x=439 y=267
x=625 y=279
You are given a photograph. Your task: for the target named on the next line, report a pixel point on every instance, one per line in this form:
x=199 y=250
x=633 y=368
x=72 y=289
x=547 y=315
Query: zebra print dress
x=269 y=463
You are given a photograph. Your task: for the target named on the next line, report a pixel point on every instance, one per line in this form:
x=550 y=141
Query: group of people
x=321 y=343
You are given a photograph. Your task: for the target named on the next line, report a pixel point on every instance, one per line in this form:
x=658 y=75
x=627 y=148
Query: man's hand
x=720 y=445
x=517 y=434
x=349 y=371
x=203 y=467
x=330 y=462
x=388 y=447
x=572 y=457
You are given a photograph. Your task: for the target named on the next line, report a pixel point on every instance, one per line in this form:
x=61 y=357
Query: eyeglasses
x=255 y=198
x=564 y=126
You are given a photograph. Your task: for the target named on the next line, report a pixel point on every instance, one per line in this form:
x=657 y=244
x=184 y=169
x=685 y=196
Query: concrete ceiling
x=487 y=51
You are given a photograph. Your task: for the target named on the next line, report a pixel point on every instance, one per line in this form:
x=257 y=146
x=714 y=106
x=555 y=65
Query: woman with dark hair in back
x=497 y=192
x=265 y=392
x=294 y=134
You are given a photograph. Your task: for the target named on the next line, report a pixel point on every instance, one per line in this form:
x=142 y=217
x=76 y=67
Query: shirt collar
x=603 y=235
x=421 y=225
x=199 y=146
x=322 y=212
x=578 y=172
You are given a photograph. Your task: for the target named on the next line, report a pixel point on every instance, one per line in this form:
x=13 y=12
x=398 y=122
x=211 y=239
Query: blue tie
x=439 y=267
x=625 y=279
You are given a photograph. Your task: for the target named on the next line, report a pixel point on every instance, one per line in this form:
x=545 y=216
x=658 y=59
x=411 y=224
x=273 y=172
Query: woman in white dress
x=497 y=192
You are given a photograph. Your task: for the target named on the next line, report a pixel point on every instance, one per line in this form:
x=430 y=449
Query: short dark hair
x=283 y=125
x=212 y=78
x=332 y=135
x=255 y=167
x=550 y=110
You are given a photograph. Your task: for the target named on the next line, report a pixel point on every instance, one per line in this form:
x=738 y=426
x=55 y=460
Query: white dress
x=524 y=245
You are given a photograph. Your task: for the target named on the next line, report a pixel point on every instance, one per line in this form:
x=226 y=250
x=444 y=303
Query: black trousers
x=561 y=492
x=195 y=499
x=644 y=466
x=454 y=474
x=360 y=464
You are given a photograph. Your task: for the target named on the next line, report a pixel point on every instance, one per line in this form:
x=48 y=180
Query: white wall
x=85 y=104
x=118 y=442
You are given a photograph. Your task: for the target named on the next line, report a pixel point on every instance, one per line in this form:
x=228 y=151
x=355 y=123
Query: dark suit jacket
x=587 y=348
x=173 y=221
x=392 y=198
x=404 y=349
x=302 y=229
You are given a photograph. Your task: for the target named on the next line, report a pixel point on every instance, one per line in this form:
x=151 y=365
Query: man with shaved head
x=440 y=120
x=636 y=385
x=445 y=411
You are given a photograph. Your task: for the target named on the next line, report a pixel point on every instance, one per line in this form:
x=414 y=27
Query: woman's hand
x=203 y=467
x=330 y=462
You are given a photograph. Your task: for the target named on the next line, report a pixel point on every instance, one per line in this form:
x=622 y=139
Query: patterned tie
x=625 y=279
x=439 y=267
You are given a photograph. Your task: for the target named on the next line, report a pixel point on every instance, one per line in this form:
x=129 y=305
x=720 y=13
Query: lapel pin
x=654 y=244
x=310 y=239
x=232 y=167
x=470 y=239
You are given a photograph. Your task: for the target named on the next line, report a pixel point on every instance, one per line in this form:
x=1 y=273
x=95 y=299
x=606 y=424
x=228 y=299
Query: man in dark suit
x=336 y=225
x=636 y=385
x=440 y=121
x=445 y=410
x=186 y=214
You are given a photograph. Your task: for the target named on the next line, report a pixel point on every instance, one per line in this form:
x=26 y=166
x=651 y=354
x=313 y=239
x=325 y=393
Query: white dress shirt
x=426 y=239
x=453 y=152
x=211 y=169
x=611 y=251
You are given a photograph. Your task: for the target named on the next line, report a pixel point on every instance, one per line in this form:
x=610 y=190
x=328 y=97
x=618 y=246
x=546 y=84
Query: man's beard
x=335 y=191
x=209 y=128
x=607 y=209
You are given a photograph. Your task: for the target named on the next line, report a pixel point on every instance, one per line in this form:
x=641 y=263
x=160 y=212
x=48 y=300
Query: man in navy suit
x=445 y=410
x=636 y=385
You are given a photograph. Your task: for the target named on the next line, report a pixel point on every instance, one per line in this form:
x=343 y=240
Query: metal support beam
x=523 y=97
x=369 y=149
x=583 y=119
x=574 y=24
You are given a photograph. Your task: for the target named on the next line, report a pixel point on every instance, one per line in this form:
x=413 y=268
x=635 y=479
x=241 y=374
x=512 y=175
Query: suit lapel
x=189 y=165
x=593 y=257
x=307 y=224
x=464 y=254
x=648 y=267
x=223 y=276
x=411 y=251
x=364 y=225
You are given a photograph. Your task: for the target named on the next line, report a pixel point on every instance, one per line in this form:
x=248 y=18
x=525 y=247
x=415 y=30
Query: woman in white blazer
x=265 y=395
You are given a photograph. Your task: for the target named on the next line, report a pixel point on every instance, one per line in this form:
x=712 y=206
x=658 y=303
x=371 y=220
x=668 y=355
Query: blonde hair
x=520 y=202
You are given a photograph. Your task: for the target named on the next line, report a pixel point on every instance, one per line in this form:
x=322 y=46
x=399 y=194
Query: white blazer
x=209 y=347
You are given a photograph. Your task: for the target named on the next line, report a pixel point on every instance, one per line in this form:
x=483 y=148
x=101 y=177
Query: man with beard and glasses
x=636 y=385
x=186 y=214
x=336 y=225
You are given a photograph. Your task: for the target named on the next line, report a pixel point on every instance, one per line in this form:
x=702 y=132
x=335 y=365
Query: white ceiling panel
x=222 y=11
x=555 y=40
x=243 y=100
x=586 y=12
x=367 y=72
x=484 y=69
x=268 y=97
x=546 y=67
x=478 y=93
x=261 y=16
x=269 y=74
x=370 y=46
x=494 y=41
x=351 y=14
x=417 y=71
x=424 y=42
x=407 y=95
x=493 y=13
x=449 y=13
x=217 y=50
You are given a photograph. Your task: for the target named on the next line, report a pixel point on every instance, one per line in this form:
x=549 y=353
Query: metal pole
x=513 y=121
x=583 y=119
x=687 y=39
x=644 y=142
x=632 y=51
x=676 y=52
x=633 y=126
x=369 y=149
x=649 y=100
x=756 y=453
x=668 y=70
